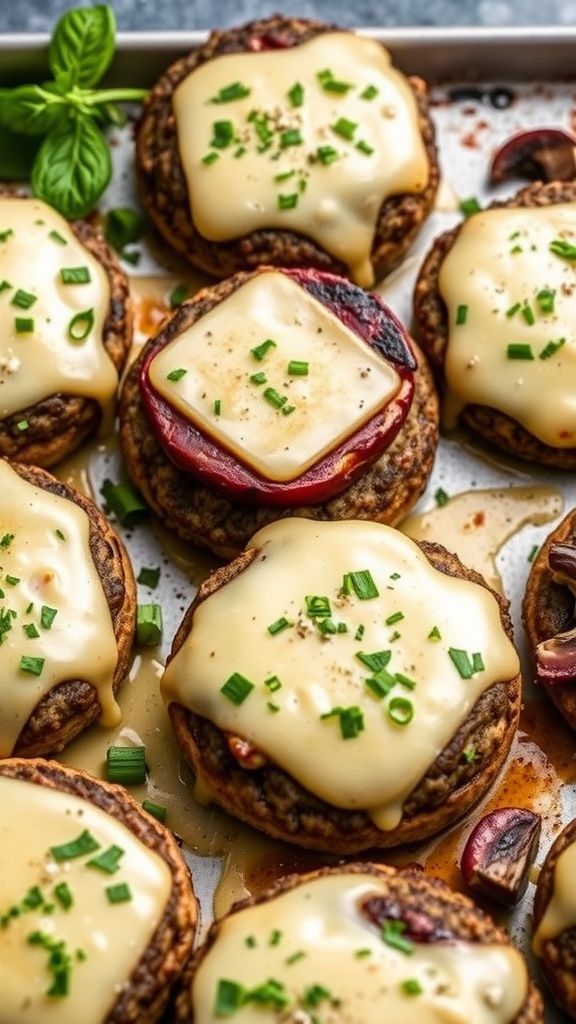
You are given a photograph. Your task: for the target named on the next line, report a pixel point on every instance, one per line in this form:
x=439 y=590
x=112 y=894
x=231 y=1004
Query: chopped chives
x=291 y=137
x=55 y=236
x=545 y=299
x=363 y=584
x=461 y=314
x=298 y=368
x=47 y=616
x=22 y=424
x=149 y=624
x=156 y=810
x=75 y=275
x=273 y=397
x=31 y=631
x=551 y=348
x=364 y=147
x=528 y=314
x=118 y=893
x=273 y=684
x=79 y=847
x=375 y=661
x=261 y=350
x=564 y=249
x=236 y=688
x=288 y=201
x=176 y=374
x=33 y=666
x=124 y=502
x=512 y=310
x=317 y=606
x=126 y=765
x=392 y=933
x=23 y=324
x=462 y=662
x=369 y=93
x=519 y=350
x=177 y=295
x=222 y=134
x=404 y=680
x=230 y=996
x=344 y=128
x=395 y=617
x=217 y=406
x=441 y=497
x=469 y=206
x=434 y=634
x=63 y=895
x=400 y=710
x=477 y=662
x=412 y=987
x=148 y=577
x=23 y=300
x=326 y=155
x=80 y=325
x=234 y=91
x=296 y=94
x=279 y=625
x=108 y=860
x=381 y=683
x=258 y=378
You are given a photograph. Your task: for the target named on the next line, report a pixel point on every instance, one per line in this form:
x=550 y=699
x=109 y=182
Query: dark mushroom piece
x=499 y=853
x=556 y=656
x=538 y=154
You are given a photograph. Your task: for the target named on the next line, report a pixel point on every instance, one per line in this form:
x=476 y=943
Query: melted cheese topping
x=104 y=940
x=504 y=286
x=322 y=166
x=311 y=686
x=55 y=622
x=560 y=913
x=315 y=936
x=51 y=330
x=232 y=374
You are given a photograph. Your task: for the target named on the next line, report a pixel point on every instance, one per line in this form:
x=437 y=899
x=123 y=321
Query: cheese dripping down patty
x=66 y=900
x=54 y=300
x=328 y=959
x=354 y=694
x=310 y=139
x=274 y=376
x=560 y=913
x=55 y=622
x=508 y=282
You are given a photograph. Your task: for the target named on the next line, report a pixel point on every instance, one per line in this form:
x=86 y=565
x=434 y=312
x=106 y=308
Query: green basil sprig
x=71 y=166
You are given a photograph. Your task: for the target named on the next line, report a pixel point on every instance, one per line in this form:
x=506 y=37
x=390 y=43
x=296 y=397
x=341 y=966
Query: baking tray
x=485 y=84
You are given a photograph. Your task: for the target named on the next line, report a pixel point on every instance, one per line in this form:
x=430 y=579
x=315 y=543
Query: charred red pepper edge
x=194 y=452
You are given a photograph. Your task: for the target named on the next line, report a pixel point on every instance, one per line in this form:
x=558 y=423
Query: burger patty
x=261 y=793
x=146 y=993
x=428 y=909
x=71 y=706
x=495 y=427
x=58 y=424
x=164 y=190
x=384 y=492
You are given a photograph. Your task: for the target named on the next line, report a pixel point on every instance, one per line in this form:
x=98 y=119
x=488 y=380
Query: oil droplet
x=476 y=524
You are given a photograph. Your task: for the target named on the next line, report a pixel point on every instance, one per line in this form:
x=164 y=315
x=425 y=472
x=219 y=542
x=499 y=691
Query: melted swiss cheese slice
x=103 y=939
x=274 y=376
x=509 y=283
x=313 y=139
x=316 y=701
x=55 y=622
x=51 y=327
x=330 y=963
x=560 y=913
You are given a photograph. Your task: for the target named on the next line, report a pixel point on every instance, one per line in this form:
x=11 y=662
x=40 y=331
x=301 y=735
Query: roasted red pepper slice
x=195 y=452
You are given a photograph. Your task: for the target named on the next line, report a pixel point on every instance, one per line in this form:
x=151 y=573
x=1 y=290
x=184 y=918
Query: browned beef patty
x=57 y=425
x=385 y=491
x=146 y=992
x=424 y=907
x=492 y=425
x=254 y=789
x=548 y=612
x=558 y=956
x=165 y=195
x=73 y=704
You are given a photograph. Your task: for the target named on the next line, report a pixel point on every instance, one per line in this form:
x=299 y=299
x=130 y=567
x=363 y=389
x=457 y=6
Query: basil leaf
x=72 y=168
x=83 y=43
x=30 y=109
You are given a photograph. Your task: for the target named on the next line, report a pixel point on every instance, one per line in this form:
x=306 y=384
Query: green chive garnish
x=23 y=300
x=118 y=893
x=344 y=128
x=392 y=933
x=149 y=625
x=33 y=666
x=75 y=275
x=126 y=765
x=519 y=350
x=236 y=688
x=461 y=314
x=563 y=249
x=176 y=374
x=279 y=625
x=80 y=325
x=124 y=502
x=108 y=861
x=234 y=91
x=298 y=368
x=400 y=710
x=363 y=584
x=79 y=847
x=261 y=350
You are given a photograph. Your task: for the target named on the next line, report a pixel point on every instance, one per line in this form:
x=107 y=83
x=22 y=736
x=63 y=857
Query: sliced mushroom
x=547 y=154
x=499 y=853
